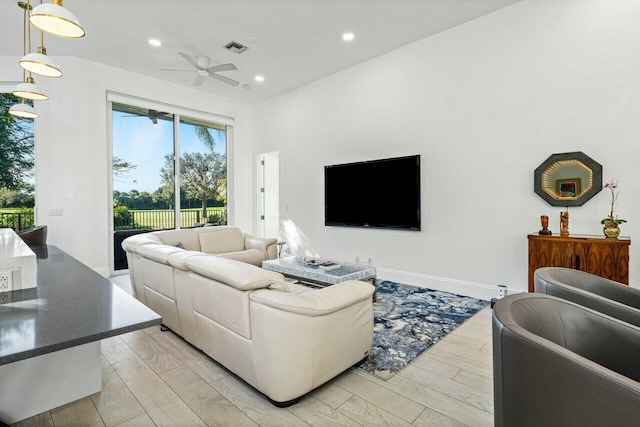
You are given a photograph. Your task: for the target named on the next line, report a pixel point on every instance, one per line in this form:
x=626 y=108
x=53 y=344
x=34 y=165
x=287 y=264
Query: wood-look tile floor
x=155 y=378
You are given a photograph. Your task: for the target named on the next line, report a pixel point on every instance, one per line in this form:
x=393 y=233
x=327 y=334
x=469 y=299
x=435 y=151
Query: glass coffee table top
x=289 y=266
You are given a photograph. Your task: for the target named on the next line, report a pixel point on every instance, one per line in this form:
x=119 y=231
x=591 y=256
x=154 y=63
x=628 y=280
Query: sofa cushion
x=235 y=273
x=188 y=238
x=158 y=253
x=177 y=259
x=320 y=302
x=216 y=240
x=249 y=256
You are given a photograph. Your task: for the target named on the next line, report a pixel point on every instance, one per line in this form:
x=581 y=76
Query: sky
x=141 y=142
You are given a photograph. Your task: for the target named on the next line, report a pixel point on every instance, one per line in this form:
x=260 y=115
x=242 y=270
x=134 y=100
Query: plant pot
x=611 y=229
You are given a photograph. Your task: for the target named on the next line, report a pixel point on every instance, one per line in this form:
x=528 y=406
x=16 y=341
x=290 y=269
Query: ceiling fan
x=203 y=68
x=153 y=115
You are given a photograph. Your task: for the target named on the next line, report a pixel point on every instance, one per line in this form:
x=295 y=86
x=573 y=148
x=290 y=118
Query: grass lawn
x=16 y=210
x=163 y=218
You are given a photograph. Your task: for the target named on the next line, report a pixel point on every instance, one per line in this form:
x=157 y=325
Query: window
x=17 y=185
x=153 y=189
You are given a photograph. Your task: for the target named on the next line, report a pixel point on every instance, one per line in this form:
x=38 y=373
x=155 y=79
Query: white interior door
x=270 y=194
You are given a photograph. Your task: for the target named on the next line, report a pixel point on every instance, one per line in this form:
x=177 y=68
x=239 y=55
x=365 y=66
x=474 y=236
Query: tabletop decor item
x=611 y=223
x=544 y=221
x=564 y=223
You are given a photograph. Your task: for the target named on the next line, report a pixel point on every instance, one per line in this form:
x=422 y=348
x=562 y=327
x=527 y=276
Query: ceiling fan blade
x=224 y=79
x=222 y=67
x=189 y=59
x=199 y=80
x=175 y=69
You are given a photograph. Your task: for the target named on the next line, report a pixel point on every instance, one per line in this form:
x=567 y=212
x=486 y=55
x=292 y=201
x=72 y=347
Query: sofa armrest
x=132 y=243
x=266 y=245
x=309 y=338
x=316 y=303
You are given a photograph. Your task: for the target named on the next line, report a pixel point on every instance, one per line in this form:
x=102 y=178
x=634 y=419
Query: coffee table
x=290 y=267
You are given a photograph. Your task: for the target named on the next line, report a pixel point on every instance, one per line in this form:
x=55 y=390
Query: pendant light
x=55 y=19
x=23 y=110
x=28 y=88
x=40 y=63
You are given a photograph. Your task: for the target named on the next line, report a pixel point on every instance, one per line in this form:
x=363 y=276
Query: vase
x=611 y=229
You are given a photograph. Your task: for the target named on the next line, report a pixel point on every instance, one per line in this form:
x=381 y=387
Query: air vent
x=236 y=47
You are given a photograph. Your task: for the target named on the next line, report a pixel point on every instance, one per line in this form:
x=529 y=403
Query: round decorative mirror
x=568 y=179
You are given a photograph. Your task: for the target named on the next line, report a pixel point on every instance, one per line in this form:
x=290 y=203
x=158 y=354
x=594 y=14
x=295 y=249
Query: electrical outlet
x=6 y=282
x=357 y=259
x=4 y=298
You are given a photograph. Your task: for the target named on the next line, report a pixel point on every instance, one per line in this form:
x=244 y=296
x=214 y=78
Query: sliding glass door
x=203 y=173
x=153 y=189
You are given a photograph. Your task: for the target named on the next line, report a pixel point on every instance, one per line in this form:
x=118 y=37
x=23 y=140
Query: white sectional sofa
x=283 y=339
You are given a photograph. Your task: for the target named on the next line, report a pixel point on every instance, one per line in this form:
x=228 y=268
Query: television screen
x=378 y=193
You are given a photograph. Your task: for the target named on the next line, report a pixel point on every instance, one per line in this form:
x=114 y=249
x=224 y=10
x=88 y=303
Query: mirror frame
x=592 y=165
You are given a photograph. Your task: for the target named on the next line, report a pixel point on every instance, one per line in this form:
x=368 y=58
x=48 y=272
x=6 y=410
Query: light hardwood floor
x=156 y=378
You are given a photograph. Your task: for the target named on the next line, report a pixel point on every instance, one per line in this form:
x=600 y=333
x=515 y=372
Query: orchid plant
x=613 y=187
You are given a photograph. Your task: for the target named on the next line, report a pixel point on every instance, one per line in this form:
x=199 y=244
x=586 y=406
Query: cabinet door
x=604 y=259
x=560 y=254
x=621 y=264
x=548 y=253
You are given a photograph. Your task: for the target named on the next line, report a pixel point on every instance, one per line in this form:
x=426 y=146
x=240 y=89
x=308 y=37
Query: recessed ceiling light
x=259 y=78
x=155 y=42
x=347 y=37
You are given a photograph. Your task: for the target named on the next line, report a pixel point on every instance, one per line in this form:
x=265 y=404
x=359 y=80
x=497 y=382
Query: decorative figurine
x=544 y=220
x=564 y=224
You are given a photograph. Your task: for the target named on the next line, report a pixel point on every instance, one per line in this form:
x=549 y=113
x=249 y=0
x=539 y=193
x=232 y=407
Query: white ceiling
x=294 y=42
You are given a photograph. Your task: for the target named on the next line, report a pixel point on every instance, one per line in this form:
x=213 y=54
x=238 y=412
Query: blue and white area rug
x=408 y=320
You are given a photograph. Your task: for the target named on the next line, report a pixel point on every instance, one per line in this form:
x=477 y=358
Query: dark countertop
x=72 y=305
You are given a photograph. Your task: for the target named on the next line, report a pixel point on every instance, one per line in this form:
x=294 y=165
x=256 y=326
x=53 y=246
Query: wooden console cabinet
x=604 y=257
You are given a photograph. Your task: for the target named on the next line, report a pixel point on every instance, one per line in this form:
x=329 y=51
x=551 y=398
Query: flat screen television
x=381 y=193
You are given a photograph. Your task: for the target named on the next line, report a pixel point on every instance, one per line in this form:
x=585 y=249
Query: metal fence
x=164 y=219
x=17 y=220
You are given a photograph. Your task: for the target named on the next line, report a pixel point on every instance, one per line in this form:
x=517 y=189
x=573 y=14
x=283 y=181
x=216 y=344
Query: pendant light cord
x=24 y=39
x=28 y=28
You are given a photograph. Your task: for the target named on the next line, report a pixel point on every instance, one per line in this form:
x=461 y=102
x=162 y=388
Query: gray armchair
x=589 y=290
x=557 y=363
x=35 y=237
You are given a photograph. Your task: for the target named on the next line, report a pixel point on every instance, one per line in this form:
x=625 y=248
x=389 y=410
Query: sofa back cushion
x=239 y=275
x=216 y=240
x=158 y=253
x=188 y=237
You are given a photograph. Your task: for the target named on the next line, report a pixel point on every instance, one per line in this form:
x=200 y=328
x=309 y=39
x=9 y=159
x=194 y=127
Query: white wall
x=484 y=104
x=72 y=150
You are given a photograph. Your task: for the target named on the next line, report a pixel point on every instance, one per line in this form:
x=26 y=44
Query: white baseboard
x=475 y=290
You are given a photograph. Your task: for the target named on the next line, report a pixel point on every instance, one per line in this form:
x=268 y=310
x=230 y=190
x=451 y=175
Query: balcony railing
x=17 y=220
x=164 y=219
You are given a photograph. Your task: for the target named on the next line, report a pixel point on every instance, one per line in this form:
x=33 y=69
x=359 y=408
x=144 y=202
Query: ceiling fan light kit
x=202 y=67
x=55 y=19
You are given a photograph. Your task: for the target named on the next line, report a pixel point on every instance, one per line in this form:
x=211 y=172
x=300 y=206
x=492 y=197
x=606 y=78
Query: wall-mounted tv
x=381 y=193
